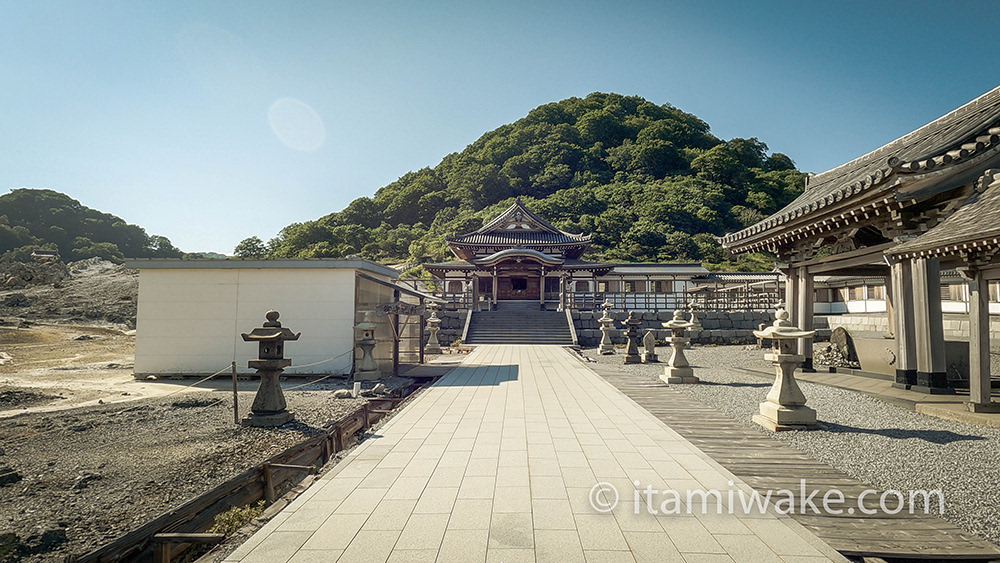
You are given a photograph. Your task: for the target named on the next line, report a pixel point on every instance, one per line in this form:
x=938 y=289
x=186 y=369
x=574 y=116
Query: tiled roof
x=532 y=230
x=973 y=227
x=957 y=137
x=743 y=277
x=567 y=264
x=519 y=238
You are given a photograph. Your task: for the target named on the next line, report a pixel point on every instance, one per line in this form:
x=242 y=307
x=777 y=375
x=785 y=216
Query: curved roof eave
x=515 y=253
x=957 y=137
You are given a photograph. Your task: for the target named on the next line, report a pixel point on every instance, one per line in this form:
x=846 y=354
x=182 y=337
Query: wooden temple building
x=519 y=256
x=904 y=211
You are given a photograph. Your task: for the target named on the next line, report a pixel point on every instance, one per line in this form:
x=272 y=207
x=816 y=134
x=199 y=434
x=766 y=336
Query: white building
x=191 y=313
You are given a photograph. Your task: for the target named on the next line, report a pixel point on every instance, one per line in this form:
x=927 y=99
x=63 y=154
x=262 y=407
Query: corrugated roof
x=259 y=264
x=667 y=268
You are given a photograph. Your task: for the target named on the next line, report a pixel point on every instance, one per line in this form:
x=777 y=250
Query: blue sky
x=208 y=122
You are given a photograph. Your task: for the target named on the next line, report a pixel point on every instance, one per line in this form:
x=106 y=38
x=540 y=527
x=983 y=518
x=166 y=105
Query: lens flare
x=296 y=124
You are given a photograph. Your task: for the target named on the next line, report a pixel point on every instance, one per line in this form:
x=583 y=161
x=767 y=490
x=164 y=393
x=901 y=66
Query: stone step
x=519 y=323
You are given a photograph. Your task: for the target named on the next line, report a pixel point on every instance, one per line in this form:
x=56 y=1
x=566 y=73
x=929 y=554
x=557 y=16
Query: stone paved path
x=497 y=462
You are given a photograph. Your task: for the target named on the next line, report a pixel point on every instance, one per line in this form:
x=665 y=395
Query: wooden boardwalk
x=769 y=465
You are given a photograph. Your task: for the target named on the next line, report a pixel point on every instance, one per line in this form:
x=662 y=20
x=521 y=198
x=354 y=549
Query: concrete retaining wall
x=956 y=326
x=452 y=323
x=717 y=327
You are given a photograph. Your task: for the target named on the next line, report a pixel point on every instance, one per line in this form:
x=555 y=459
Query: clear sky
x=211 y=121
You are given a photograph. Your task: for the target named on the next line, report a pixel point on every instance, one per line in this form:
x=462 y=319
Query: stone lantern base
x=268 y=409
x=267 y=420
x=777 y=418
x=363 y=375
x=784 y=408
x=674 y=375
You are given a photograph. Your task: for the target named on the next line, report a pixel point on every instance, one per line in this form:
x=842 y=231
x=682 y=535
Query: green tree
x=648 y=181
x=250 y=247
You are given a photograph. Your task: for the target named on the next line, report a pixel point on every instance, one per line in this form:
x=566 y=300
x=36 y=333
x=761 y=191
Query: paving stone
x=499 y=464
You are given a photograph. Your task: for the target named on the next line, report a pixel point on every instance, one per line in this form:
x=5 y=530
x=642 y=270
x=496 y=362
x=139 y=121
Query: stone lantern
x=693 y=310
x=607 y=325
x=632 y=332
x=649 y=348
x=677 y=369
x=433 y=326
x=785 y=407
x=367 y=368
x=268 y=407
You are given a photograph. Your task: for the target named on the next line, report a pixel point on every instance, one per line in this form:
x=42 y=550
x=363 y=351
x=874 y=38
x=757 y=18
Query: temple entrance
x=518 y=287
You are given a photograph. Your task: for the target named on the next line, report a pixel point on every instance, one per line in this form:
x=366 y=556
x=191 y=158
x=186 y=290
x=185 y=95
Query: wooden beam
x=853 y=260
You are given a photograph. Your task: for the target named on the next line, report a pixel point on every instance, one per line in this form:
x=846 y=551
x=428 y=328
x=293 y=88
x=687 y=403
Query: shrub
x=235 y=518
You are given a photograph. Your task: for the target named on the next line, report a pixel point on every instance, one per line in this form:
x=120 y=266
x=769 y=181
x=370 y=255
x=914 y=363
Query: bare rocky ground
x=91 y=291
x=85 y=476
x=88 y=453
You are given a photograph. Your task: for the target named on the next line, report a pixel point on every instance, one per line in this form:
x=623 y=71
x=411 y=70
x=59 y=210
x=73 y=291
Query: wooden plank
x=198 y=513
x=768 y=465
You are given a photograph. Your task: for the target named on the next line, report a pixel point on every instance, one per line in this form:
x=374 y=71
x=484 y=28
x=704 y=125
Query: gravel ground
x=86 y=476
x=878 y=443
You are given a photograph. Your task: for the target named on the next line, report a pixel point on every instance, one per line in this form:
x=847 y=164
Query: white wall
x=190 y=320
x=869 y=306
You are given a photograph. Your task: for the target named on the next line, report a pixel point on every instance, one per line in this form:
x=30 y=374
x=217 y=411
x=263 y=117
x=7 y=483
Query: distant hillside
x=33 y=219
x=650 y=182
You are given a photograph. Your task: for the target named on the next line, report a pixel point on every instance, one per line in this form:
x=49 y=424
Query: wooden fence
x=174 y=532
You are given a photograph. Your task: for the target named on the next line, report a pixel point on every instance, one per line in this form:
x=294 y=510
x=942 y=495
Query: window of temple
x=582 y=287
x=630 y=287
x=663 y=286
x=485 y=285
x=519 y=284
x=551 y=285
x=603 y=287
x=952 y=292
x=454 y=286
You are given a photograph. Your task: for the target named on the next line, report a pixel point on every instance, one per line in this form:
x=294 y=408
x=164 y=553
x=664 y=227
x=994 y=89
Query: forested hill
x=650 y=182
x=33 y=219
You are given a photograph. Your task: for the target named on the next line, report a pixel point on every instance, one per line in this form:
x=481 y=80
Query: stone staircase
x=519 y=322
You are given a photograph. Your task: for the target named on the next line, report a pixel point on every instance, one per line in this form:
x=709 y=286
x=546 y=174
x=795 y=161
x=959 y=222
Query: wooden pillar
x=931 y=374
x=396 y=335
x=979 y=339
x=495 y=286
x=593 y=286
x=562 y=292
x=420 y=342
x=792 y=292
x=904 y=329
x=475 y=293
x=806 y=300
x=541 y=290
x=890 y=305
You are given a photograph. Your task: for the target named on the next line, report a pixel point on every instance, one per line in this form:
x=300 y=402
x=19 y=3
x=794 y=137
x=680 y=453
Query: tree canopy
x=32 y=219
x=649 y=181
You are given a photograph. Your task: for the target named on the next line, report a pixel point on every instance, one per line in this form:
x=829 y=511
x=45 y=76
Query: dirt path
x=49 y=367
x=88 y=453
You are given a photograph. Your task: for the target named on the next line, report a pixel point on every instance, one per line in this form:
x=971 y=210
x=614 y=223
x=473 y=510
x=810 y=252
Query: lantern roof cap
x=271 y=330
x=782 y=328
x=678 y=321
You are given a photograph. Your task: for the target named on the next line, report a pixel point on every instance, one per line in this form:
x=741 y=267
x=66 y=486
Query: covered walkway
x=498 y=461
